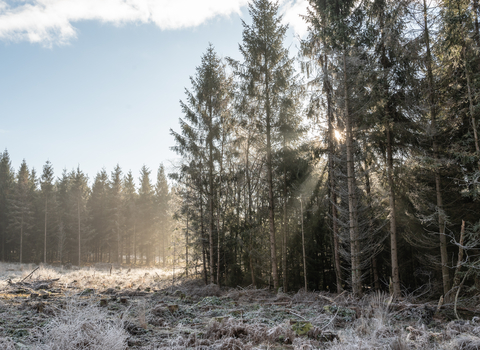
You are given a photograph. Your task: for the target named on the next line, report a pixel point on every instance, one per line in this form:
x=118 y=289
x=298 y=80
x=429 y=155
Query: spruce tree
x=266 y=71
x=47 y=189
x=22 y=207
x=162 y=199
x=98 y=207
x=62 y=210
x=79 y=193
x=146 y=216
x=391 y=75
x=6 y=191
x=334 y=26
x=130 y=215
x=202 y=127
x=115 y=212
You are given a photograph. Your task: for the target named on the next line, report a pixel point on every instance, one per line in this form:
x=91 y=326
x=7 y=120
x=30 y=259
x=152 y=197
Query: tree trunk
x=303 y=248
x=477 y=28
x=79 y=235
x=218 y=210
x=433 y=116
x=331 y=178
x=271 y=206
x=456 y=279
x=210 y=197
x=352 y=201
x=134 y=244
x=205 y=271
x=249 y=212
x=119 y=250
x=472 y=113
x=186 y=248
x=393 y=221
x=45 y=235
x=376 y=281
x=284 y=240
x=21 y=241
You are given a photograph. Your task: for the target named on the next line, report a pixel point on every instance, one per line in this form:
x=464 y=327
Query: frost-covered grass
x=99 y=276
x=105 y=307
x=81 y=326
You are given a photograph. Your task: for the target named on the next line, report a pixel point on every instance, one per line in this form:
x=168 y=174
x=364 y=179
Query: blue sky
x=91 y=85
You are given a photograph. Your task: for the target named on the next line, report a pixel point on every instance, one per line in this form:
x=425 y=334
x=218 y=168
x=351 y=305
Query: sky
x=96 y=83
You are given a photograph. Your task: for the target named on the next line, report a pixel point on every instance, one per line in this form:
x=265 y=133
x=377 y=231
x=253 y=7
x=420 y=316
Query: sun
x=338 y=135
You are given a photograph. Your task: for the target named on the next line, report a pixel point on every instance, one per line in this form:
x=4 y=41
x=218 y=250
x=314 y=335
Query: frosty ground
x=108 y=307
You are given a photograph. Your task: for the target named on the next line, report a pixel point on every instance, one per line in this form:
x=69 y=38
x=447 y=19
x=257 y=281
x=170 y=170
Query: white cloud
x=52 y=21
x=292 y=11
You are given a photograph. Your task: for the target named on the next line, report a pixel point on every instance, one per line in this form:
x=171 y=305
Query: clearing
x=108 y=307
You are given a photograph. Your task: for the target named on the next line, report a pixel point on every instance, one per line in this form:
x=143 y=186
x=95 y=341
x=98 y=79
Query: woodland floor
x=120 y=308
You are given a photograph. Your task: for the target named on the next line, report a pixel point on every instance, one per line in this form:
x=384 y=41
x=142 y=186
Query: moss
x=343 y=312
x=302 y=327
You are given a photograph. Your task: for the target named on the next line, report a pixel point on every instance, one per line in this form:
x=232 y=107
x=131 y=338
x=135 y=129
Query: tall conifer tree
x=266 y=71
x=162 y=199
x=21 y=206
x=47 y=188
x=6 y=191
x=201 y=130
x=146 y=215
x=116 y=217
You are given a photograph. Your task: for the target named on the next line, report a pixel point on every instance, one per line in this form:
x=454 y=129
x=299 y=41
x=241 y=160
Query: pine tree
x=22 y=206
x=146 y=216
x=62 y=209
x=6 y=191
x=115 y=208
x=335 y=25
x=79 y=193
x=47 y=189
x=204 y=112
x=266 y=71
x=98 y=208
x=392 y=76
x=433 y=109
x=162 y=199
x=130 y=215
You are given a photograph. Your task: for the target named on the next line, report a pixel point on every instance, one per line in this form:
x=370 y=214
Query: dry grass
x=105 y=307
x=81 y=326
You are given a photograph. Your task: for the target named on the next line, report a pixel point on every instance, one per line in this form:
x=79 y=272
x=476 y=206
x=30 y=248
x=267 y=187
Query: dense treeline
x=64 y=220
x=351 y=165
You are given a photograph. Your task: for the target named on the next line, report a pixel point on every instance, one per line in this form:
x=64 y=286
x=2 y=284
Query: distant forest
x=63 y=220
x=353 y=164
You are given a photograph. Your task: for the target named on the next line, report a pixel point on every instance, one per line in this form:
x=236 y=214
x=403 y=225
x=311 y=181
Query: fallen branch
x=31 y=273
x=293 y=313
x=332 y=300
x=338 y=296
x=327 y=298
x=331 y=320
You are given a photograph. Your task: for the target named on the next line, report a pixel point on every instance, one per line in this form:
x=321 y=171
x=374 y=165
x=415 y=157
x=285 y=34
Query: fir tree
x=115 y=207
x=130 y=216
x=266 y=71
x=22 y=207
x=6 y=191
x=204 y=112
x=146 y=215
x=47 y=189
x=162 y=199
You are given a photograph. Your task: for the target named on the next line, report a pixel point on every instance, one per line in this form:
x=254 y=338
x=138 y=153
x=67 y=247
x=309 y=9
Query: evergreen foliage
x=359 y=176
